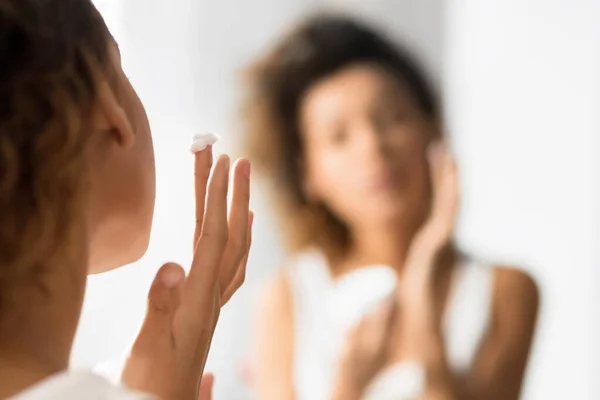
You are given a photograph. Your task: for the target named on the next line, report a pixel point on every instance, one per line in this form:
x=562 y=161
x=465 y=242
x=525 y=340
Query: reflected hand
x=367 y=350
x=416 y=289
x=169 y=354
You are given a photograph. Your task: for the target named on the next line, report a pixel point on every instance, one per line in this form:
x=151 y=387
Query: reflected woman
x=347 y=130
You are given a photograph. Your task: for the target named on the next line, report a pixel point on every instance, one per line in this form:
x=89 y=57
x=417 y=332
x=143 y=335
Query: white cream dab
x=201 y=140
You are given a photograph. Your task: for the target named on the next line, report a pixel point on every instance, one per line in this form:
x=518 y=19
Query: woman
x=347 y=129
x=77 y=191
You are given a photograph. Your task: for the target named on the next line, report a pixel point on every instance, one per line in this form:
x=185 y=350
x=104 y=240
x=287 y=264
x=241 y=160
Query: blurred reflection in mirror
x=376 y=301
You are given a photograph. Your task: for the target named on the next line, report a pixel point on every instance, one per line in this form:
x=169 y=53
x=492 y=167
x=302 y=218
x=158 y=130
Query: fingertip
x=222 y=169
x=206 y=386
x=225 y=160
x=207 y=381
x=164 y=295
x=244 y=165
x=171 y=275
x=210 y=379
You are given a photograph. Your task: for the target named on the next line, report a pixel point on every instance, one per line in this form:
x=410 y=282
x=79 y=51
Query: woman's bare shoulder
x=516 y=297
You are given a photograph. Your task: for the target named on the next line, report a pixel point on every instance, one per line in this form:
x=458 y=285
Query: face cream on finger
x=201 y=140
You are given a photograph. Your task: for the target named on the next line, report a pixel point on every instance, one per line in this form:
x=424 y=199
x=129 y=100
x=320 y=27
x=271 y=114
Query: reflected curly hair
x=52 y=53
x=277 y=83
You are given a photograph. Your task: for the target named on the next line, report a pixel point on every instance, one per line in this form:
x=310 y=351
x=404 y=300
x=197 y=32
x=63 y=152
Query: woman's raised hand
x=169 y=354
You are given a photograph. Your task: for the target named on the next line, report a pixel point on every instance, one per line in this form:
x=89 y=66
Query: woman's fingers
x=170 y=353
x=240 y=275
x=202 y=164
x=444 y=179
x=237 y=247
x=203 y=279
x=439 y=227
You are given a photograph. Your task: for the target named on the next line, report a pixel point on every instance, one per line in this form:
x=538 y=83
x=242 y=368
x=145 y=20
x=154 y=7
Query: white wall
x=523 y=96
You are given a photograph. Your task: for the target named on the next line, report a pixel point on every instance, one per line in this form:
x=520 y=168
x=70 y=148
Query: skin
x=374 y=159
x=169 y=354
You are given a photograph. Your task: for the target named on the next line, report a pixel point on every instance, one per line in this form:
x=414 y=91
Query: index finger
x=203 y=161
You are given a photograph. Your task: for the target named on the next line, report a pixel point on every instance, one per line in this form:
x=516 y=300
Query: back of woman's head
x=52 y=52
x=279 y=82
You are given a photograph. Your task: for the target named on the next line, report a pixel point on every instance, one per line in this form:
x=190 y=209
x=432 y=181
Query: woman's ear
x=112 y=117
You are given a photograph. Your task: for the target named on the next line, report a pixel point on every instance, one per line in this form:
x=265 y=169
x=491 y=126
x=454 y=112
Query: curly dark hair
x=318 y=48
x=52 y=53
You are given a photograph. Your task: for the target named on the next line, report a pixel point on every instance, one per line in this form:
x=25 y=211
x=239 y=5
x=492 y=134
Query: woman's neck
x=376 y=245
x=38 y=322
x=381 y=246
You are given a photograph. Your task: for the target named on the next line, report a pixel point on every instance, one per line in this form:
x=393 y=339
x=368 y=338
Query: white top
x=322 y=319
x=79 y=385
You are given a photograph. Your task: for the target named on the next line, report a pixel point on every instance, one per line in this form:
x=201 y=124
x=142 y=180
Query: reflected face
x=365 y=141
x=124 y=186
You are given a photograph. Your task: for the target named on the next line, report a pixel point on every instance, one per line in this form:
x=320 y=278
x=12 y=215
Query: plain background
x=521 y=84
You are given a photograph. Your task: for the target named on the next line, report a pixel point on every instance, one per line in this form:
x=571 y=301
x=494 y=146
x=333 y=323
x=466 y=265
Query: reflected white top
x=357 y=294
x=79 y=385
x=325 y=309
